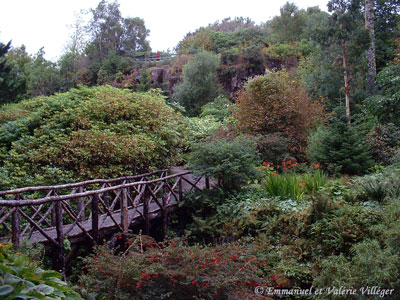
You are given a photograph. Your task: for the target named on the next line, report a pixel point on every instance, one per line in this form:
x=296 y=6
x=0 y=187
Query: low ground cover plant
x=22 y=279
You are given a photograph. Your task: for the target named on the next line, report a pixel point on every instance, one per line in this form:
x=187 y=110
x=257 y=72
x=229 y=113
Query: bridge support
x=146 y=221
x=164 y=211
x=81 y=204
x=124 y=211
x=16 y=226
x=95 y=219
x=60 y=238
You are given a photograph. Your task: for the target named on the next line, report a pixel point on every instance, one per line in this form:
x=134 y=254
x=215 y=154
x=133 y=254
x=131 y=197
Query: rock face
x=161 y=78
x=232 y=77
x=160 y=75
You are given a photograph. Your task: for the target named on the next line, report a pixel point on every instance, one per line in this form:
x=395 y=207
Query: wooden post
x=146 y=225
x=95 y=219
x=124 y=211
x=164 y=211
x=107 y=199
x=181 y=223
x=81 y=204
x=207 y=182
x=180 y=190
x=60 y=239
x=53 y=212
x=16 y=228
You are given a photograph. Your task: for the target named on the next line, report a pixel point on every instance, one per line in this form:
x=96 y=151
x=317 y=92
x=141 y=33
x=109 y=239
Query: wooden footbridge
x=89 y=210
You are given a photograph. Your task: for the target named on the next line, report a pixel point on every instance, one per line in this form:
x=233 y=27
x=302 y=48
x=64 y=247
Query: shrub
x=231 y=163
x=276 y=103
x=283 y=51
x=384 y=142
x=174 y=271
x=273 y=147
x=370 y=265
x=379 y=186
x=202 y=128
x=88 y=133
x=20 y=279
x=337 y=228
x=218 y=109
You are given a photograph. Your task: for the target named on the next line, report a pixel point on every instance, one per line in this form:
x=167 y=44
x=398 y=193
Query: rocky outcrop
x=231 y=77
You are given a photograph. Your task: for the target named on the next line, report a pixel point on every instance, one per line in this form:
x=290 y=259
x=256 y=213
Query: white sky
x=44 y=23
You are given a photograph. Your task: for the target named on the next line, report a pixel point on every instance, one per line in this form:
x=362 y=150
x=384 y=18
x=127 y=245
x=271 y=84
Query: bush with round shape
x=233 y=163
x=88 y=133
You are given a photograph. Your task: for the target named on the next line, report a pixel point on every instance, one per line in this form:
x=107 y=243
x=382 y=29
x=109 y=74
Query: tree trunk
x=369 y=24
x=346 y=82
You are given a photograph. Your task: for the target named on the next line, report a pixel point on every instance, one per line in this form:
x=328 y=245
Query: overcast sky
x=44 y=23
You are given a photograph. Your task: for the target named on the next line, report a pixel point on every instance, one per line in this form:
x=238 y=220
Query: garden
x=304 y=163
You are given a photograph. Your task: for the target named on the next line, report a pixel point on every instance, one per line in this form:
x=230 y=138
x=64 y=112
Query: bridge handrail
x=76 y=184
x=21 y=203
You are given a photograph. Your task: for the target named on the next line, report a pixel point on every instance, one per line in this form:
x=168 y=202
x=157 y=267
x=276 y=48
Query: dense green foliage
x=22 y=279
x=341 y=147
x=87 y=133
x=293 y=186
x=199 y=85
x=11 y=85
x=231 y=163
x=385 y=105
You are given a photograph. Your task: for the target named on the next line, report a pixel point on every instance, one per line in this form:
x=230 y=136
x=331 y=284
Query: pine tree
x=342 y=145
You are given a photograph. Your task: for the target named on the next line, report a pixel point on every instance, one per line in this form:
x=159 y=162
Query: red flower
x=316 y=165
x=273 y=278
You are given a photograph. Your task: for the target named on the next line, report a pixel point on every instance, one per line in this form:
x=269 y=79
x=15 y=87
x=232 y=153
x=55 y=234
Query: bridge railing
x=83 y=208
x=88 y=210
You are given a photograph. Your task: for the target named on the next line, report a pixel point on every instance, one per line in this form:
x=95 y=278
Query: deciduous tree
x=276 y=103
